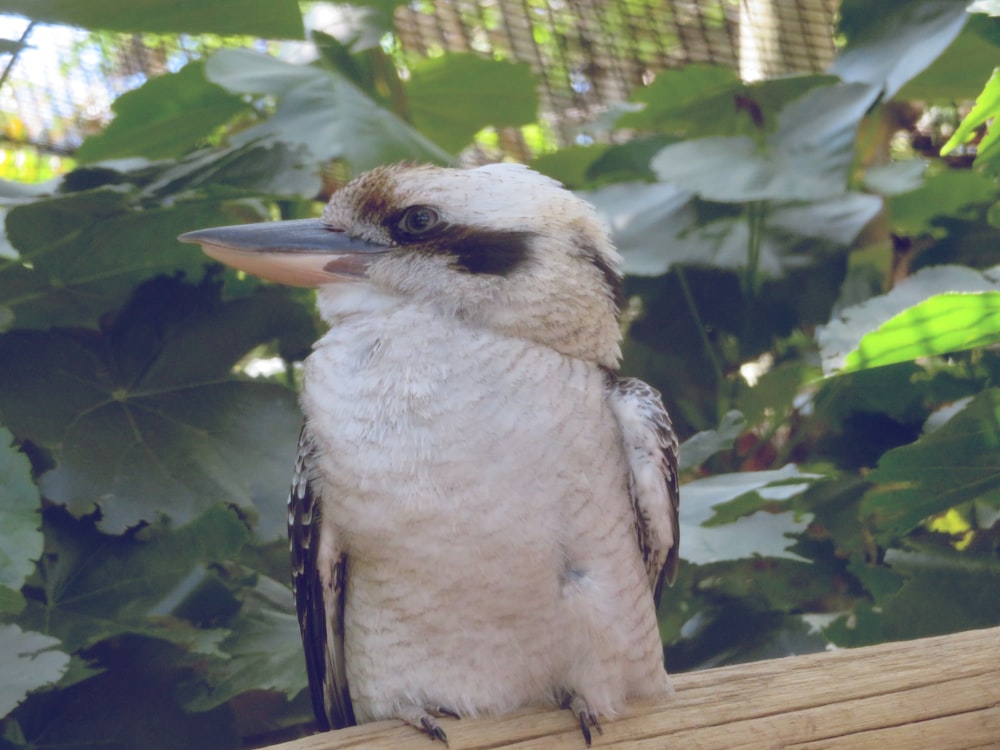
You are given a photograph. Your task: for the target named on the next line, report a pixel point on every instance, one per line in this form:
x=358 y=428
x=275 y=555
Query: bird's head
x=500 y=246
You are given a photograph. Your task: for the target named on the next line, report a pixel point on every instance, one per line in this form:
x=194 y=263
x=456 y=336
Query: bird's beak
x=299 y=253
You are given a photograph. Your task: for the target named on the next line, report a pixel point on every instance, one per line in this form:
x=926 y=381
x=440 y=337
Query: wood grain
x=938 y=693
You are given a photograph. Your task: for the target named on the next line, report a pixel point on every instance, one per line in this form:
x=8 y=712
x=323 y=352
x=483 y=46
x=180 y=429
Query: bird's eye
x=417 y=220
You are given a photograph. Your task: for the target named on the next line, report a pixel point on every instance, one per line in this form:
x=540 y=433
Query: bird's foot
x=587 y=718
x=425 y=718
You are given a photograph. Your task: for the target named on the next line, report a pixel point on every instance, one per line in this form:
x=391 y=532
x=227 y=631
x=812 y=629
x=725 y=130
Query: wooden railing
x=932 y=694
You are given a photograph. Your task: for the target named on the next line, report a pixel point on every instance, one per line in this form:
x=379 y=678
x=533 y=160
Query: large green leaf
x=703 y=100
x=949 y=192
x=844 y=335
x=27 y=661
x=452 y=97
x=165 y=118
x=144 y=419
x=131 y=704
x=955 y=463
x=944 y=592
x=20 y=536
x=890 y=43
x=808 y=157
x=271 y=19
x=941 y=324
x=82 y=254
x=656 y=226
x=92 y=586
x=264 y=650
x=321 y=110
x=958 y=73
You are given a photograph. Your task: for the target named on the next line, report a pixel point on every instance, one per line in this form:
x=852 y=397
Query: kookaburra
x=483 y=512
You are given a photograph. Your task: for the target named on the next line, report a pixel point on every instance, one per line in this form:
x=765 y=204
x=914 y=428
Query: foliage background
x=813 y=286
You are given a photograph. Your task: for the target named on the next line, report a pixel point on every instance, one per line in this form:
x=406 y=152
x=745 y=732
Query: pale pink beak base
x=305 y=252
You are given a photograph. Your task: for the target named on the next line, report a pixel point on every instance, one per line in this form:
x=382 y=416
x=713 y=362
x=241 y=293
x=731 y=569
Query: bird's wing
x=319 y=576
x=651 y=449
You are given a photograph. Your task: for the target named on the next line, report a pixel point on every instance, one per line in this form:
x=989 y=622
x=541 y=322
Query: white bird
x=483 y=511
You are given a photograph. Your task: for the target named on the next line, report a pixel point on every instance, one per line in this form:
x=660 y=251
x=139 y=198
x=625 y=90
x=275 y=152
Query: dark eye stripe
x=488 y=251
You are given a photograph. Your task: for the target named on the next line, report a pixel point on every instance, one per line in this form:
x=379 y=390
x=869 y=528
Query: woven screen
x=588 y=54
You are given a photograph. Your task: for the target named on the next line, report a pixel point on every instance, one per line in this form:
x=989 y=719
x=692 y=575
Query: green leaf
x=704 y=100
x=942 y=324
x=144 y=419
x=808 y=157
x=20 y=536
x=890 y=43
x=668 y=99
x=27 y=661
x=87 y=251
x=659 y=225
x=761 y=533
x=845 y=334
x=321 y=110
x=164 y=118
x=92 y=586
x=953 y=464
x=986 y=110
x=570 y=165
x=264 y=650
x=944 y=592
x=130 y=705
x=249 y=172
x=270 y=19
x=949 y=192
x=958 y=73
x=703 y=445
x=452 y=97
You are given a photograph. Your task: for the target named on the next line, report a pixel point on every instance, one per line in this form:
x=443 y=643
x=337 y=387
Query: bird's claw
x=587 y=718
x=434 y=729
x=425 y=718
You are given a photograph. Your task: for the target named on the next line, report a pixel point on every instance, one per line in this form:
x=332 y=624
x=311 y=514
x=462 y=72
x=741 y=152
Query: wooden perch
x=933 y=694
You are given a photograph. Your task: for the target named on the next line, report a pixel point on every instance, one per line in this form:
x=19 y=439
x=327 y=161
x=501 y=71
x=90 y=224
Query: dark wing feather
x=651 y=450
x=319 y=576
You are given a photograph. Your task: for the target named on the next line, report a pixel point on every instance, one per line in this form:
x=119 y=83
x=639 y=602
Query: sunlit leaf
x=845 y=334
x=941 y=324
x=984 y=113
